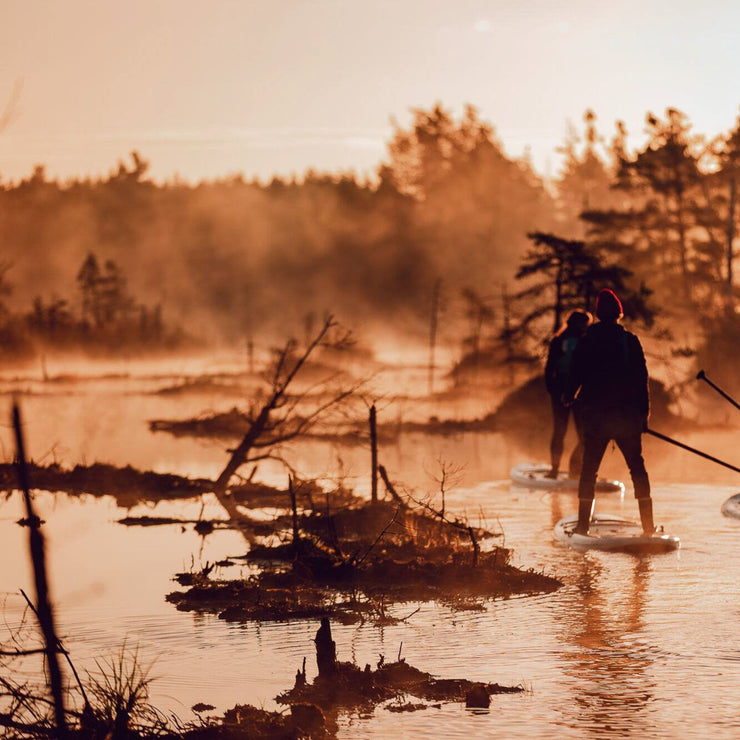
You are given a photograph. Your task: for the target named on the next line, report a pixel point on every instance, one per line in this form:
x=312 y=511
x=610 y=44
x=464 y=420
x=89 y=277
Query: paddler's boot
x=585 y=509
x=646 y=515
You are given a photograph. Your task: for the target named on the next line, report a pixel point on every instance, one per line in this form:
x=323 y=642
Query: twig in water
x=407 y=617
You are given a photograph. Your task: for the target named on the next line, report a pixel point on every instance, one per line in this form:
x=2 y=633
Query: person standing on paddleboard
x=557 y=371
x=609 y=384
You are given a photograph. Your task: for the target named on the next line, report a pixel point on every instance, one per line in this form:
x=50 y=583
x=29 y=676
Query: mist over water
x=134 y=307
x=629 y=646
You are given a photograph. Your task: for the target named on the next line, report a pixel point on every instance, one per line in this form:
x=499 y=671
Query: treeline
x=667 y=214
x=444 y=223
x=109 y=318
x=234 y=257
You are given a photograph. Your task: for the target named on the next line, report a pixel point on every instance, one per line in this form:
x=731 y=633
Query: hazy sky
x=206 y=88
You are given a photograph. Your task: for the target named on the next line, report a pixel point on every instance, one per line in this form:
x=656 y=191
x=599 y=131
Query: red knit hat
x=608 y=305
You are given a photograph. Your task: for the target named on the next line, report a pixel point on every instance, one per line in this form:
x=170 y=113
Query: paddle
x=691 y=449
x=701 y=375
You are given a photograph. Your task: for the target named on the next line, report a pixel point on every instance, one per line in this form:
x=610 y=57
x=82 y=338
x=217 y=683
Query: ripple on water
x=629 y=647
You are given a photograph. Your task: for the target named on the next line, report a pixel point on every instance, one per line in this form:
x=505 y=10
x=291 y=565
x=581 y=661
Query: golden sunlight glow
x=205 y=90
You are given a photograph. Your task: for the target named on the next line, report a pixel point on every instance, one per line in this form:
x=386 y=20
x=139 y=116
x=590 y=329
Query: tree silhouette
x=585 y=180
x=662 y=226
x=723 y=182
x=88 y=279
x=564 y=274
x=478 y=312
x=471 y=204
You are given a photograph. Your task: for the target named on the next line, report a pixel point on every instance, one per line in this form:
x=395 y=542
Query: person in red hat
x=609 y=383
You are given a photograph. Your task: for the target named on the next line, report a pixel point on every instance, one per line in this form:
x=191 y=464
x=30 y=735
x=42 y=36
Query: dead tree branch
x=282 y=375
x=390 y=488
x=456 y=523
x=43 y=608
x=294 y=509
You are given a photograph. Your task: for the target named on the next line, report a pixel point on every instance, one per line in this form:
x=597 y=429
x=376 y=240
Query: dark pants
x=628 y=437
x=560 y=415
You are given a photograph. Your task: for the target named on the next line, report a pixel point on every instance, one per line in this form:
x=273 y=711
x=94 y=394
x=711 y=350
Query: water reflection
x=612 y=685
x=629 y=647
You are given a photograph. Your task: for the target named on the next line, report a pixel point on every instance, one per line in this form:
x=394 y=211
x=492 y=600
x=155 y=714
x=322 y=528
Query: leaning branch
x=43 y=609
x=281 y=379
x=21 y=653
x=390 y=488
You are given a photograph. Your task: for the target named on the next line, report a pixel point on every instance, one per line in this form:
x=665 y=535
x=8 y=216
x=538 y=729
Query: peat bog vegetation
x=326 y=555
x=454 y=251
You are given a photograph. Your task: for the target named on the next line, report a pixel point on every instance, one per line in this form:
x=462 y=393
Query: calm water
x=629 y=647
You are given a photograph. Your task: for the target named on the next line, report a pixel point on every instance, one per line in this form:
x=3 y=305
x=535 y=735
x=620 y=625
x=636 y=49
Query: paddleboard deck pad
x=534 y=475
x=613 y=534
x=731 y=507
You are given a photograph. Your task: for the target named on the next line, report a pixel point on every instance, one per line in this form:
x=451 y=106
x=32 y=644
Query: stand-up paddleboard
x=731 y=507
x=534 y=475
x=613 y=534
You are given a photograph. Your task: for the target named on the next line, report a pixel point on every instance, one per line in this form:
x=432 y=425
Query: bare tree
x=277 y=418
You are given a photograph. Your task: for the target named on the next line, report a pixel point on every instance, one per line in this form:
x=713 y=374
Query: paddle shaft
x=701 y=375
x=691 y=449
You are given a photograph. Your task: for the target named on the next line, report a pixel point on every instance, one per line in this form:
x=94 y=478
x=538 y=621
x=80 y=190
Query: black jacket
x=609 y=374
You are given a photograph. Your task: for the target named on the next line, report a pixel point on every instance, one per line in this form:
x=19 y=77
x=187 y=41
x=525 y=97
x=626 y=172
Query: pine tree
x=564 y=275
x=660 y=226
x=585 y=180
x=472 y=205
x=88 y=279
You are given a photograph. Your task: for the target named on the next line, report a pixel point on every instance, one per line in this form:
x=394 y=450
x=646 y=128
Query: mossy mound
x=385 y=554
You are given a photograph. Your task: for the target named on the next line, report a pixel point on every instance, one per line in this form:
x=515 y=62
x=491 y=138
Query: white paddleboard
x=534 y=475
x=613 y=534
x=731 y=507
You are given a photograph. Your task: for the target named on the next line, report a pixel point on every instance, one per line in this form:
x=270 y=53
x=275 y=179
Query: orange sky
x=206 y=88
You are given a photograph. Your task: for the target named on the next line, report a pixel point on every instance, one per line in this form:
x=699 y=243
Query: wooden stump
x=326 y=649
